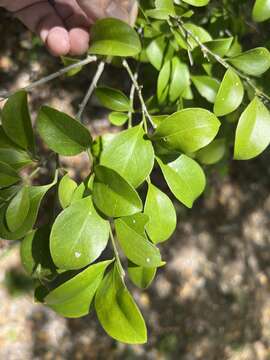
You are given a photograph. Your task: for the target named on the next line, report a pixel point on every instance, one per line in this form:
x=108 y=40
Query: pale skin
x=63 y=25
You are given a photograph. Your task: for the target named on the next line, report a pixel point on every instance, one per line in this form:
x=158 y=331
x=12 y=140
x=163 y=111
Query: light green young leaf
x=118 y=312
x=134 y=243
x=212 y=153
x=261 y=10
x=118 y=118
x=114 y=37
x=66 y=189
x=188 y=130
x=113 y=195
x=185 y=179
x=141 y=276
x=36 y=194
x=230 y=94
x=197 y=3
x=159 y=51
x=199 y=32
x=253 y=62
x=207 y=86
x=8 y=176
x=35 y=253
x=63 y=134
x=18 y=209
x=16 y=121
x=161 y=213
x=73 y=298
x=130 y=154
x=113 y=99
x=78 y=236
x=253 y=131
x=179 y=79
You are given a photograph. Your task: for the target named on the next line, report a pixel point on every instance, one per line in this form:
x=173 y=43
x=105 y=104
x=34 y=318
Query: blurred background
x=210 y=302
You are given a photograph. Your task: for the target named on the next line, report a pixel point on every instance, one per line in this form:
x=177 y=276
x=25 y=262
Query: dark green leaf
x=17 y=210
x=8 y=176
x=112 y=99
x=16 y=158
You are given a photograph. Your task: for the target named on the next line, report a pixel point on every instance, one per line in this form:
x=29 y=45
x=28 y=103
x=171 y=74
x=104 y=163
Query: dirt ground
x=210 y=302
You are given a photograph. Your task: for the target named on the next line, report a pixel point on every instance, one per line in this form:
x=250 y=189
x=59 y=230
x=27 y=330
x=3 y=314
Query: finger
x=41 y=18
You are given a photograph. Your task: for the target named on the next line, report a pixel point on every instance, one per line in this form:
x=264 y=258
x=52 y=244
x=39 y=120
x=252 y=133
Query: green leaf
x=188 y=130
x=36 y=194
x=73 y=298
x=164 y=9
x=118 y=312
x=5 y=141
x=197 y=3
x=197 y=31
x=206 y=86
x=185 y=179
x=253 y=62
x=63 y=134
x=78 y=236
x=212 y=153
x=112 y=99
x=114 y=37
x=78 y=193
x=70 y=61
x=159 y=51
x=113 y=195
x=66 y=189
x=253 y=131
x=118 y=118
x=18 y=209
x=35 y=253
x=220 y=46
x=8 y=176
x=141 y=276
x=134 y=243
x=261 y=10
x=130 y=155
x=16 y=158
x=230 y=94
x=161 y=213
x=16 y=121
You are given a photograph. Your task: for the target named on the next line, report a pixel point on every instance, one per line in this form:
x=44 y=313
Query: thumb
x=125 y=10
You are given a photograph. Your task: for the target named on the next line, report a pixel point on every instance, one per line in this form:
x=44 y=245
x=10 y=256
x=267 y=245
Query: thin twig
x=118 y=261
x=131 y=98
x=91 y=89
x=50 y=77
x=139 y=91
x=206 y=51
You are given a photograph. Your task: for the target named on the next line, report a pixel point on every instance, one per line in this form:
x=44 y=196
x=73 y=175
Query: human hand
x=63 y=25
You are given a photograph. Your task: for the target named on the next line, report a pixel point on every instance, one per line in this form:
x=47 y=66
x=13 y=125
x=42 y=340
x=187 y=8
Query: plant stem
x=118 y=261
x=50 y=77
x=206 y=51
x=139 y=91
x=131 y=98
x=91 y=89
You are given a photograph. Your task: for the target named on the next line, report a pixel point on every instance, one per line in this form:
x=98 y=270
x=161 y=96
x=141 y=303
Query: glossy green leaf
x=134 y=243
x=261 y=10
x=16 y=121
x=220 y=46
x=212 y=153
x=185 y=179
x=78 y=193
x=78 y=236
x=113 y=195
x=253 y=131
x=118 y=312
x=207 y=87
x=118 y=118
x=253 y=62
x=161 y=213
x=197 y=31
x=230 y=94
x=66 y=189
x=8 y=176
x=73 y=298
x=114 y=37
x=113 y=99
x=141 y=276
x=35 y=253
x=16 y=158
x=63 y=134
x=18 y=209
x=130 y=154
x=197 y=3
x=188 y=130
x=36 y=194
x=159 y=51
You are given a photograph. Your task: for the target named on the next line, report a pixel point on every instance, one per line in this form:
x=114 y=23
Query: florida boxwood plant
x=207 y=103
